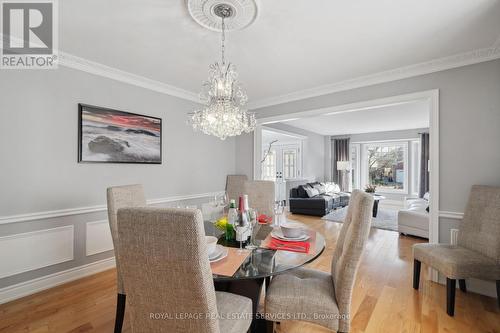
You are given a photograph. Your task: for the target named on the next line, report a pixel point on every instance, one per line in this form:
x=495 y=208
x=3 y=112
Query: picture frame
x=113 y=136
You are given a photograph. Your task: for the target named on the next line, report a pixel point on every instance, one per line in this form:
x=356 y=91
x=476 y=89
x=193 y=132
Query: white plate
x=278 y=234
x=219 y=254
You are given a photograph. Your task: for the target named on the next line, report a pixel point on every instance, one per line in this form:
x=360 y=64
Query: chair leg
x=450 y=296
x=498 y=292
x=416 y=273
x=269 y=326
x=462 y=285
x=120 y=312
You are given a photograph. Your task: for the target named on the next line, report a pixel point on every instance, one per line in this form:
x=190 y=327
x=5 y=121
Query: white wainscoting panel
x=32 y=250
x=26 y=288
x=98 y=237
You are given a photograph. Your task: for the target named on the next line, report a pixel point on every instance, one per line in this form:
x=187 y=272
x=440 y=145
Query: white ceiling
x=290 y=47
x=381 y=119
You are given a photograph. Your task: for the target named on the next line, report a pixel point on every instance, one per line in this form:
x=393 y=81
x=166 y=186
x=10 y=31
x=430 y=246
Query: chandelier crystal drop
x=223 y=96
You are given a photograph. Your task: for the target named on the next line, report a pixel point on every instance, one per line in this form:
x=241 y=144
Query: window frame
x=415 y=167
x=356 y=166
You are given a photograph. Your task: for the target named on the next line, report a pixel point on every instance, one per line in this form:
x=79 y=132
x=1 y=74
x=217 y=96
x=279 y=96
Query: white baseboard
x=23 y=289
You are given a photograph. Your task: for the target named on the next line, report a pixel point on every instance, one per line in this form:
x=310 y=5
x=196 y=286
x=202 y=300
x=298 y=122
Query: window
x=269 y=166
x=290 y=163
x=386 y=166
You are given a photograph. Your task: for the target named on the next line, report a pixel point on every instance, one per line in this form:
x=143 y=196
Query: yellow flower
x=221 y=223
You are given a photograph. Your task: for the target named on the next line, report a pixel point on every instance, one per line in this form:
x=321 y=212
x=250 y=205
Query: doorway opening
x=395 y=178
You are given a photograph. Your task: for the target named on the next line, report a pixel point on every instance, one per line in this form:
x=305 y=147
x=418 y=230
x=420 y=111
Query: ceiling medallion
x=244 y=13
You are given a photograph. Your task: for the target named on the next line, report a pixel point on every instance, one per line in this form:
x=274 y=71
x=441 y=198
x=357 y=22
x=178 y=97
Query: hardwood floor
x=383 y=298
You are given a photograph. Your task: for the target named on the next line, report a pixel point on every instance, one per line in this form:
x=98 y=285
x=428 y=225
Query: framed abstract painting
x=112 y=136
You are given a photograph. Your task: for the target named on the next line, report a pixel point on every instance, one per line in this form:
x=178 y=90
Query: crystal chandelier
x=223 y=114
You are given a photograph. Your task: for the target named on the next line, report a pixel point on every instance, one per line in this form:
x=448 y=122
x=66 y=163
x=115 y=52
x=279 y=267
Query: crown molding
x=71 y=61
x=432 y=66
x=92 y=67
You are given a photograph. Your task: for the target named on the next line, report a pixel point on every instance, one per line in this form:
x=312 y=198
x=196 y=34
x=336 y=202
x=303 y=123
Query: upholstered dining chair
x=319 y=297
x=260 y=195
x=477 y=253
x=165 y=267
x=234 y=186
x=120 y=197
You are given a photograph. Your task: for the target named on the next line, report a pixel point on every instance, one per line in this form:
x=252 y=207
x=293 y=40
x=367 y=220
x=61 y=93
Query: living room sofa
x=316 y=198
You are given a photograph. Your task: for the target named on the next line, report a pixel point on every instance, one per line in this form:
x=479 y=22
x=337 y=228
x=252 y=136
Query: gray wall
x=313 y=157
x=469 y=126
x=38 y=126
x=244 y=155
x=38 y=144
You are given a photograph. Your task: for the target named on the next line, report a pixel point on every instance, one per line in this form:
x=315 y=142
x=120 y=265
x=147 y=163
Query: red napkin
x=264 y=219
x=277 y=244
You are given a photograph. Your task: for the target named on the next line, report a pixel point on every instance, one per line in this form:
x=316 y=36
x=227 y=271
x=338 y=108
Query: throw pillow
x=320 y=187
x=309 y=191
x=301 y=191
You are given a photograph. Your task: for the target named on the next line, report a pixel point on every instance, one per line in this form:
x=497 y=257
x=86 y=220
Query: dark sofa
x=313 y=199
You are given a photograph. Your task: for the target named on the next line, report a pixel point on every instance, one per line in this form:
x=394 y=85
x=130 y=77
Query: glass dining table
x=260 y=265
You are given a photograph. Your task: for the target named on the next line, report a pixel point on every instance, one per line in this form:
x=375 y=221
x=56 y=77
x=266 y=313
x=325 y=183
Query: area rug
x=386 y=219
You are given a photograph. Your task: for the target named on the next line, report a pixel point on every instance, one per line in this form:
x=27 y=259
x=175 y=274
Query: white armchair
x=414 y=219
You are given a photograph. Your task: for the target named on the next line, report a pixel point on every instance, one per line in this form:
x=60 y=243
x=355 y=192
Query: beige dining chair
x=234 y=186
x=121 y=197
x=261 y=195
x=477 y=253
x=165 y=267
x=319 y=297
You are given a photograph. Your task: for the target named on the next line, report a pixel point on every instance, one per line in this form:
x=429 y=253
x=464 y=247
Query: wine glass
x=222 y=200
x=253 y=221
x=278 y=212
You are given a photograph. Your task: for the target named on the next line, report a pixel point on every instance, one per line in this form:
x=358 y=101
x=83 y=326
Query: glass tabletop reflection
x=262 y=263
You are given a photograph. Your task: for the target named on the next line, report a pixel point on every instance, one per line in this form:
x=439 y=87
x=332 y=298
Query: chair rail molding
x=451 y=215
x=93 y=209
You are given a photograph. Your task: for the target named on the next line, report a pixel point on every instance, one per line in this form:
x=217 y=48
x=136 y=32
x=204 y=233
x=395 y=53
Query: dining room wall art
x=112 y=136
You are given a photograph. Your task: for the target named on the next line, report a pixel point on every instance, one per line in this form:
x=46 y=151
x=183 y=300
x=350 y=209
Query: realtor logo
x=29 y=34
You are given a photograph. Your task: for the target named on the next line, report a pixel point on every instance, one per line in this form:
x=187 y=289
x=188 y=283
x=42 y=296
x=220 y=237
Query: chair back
x=234 y=186
x=346 y=256
x=261 y=195
x=480 y=227
x=121 y=197
x=166 y=270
